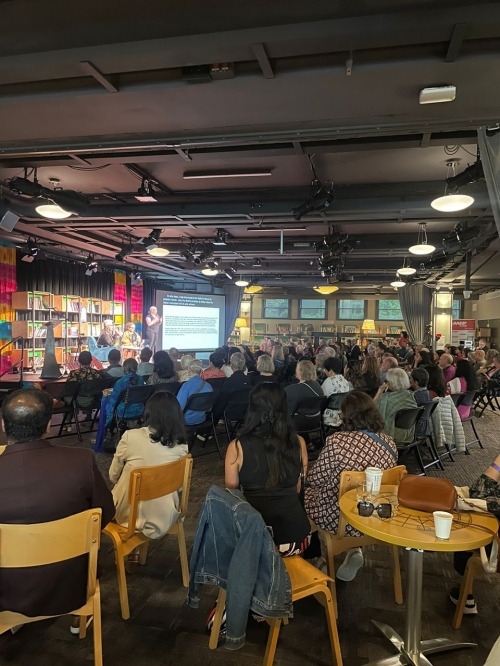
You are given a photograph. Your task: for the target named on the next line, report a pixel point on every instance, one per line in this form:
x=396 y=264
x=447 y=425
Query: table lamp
x=369 y=325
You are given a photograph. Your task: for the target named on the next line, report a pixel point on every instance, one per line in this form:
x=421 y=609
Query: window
x=312 y=308
x=276 y=308
x=457 y=309
x=351 y=309
x=389 y=310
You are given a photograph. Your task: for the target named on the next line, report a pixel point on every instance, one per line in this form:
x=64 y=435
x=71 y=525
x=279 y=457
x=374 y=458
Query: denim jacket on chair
x=233 y=549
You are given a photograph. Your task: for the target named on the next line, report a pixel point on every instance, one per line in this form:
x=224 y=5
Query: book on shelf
x=38 y=302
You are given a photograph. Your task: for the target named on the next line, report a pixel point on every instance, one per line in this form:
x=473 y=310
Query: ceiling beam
x=184 y=154
x=265 y=65
x=92 y=70
x=457 y=38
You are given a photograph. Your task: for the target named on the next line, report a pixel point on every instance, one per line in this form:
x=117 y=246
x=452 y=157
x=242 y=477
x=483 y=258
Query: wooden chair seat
x=473 y=569
x=147 y=483
x=306 y=580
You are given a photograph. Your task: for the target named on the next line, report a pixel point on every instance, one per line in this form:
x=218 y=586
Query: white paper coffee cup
x=374 y=475
x=442 y=524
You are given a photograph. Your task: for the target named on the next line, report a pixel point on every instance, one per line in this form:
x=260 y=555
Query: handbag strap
x=382 y=442
x=311 y=388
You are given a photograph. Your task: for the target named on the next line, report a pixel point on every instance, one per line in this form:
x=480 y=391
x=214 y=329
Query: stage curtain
x=148 y=296
x=60 y=277
x=7 y=286
x=490 y=158
x=416 y=306
x=233 y=302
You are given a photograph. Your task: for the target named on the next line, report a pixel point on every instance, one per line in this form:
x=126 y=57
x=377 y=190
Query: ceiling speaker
x=9 y=220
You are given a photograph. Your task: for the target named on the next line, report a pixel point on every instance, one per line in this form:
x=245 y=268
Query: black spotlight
x=321 y=200
x=31 y=252
x=256 y=263
x=221 y=237
x=91 y=265
x=185 y=254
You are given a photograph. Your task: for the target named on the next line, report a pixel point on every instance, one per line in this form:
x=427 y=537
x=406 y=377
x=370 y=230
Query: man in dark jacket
x=238 y=381
x=41 y=483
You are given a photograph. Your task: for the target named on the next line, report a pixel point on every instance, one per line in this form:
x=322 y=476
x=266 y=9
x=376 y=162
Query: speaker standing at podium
x=153 y=323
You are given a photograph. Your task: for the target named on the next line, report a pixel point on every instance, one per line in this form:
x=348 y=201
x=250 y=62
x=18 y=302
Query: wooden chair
x=147 y=483
x=474 y=568
x=339 y=542
x=46 y=543
x=306 y=581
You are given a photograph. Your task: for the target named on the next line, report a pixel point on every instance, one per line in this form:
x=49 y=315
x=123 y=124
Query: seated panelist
x=131 y=338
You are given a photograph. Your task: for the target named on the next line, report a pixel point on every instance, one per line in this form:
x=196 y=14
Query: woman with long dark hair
x=465 y=380
x=164 y=371
x=161 y=440
x=436 y=384
x=266 y=462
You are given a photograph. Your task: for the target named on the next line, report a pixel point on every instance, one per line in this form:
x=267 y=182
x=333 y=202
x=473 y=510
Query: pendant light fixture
x=156 y=251
x=326 y=289
x=450 y=203
x=52 y=212
x=422 y=247
x=242 y=282
x=406 y=269
x=398 y=283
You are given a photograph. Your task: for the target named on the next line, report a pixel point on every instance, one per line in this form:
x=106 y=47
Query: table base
x=411 y=649
x=431 y=646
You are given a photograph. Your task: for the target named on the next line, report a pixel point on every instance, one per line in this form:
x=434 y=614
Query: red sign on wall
x=463 y=325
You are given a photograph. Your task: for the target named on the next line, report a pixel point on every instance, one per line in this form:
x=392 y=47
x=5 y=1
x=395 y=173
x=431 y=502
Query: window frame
x=459 y=316
x=315 y=300
x=379 y=318
x=264 y=308
x=360 y=300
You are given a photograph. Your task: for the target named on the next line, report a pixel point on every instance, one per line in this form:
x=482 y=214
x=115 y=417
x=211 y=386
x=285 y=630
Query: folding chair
x=92 y=388
x=216 y=382
x=235 y=411
x=307 y=415
x=66 y=393
x=148 y=483
x=406 y=419
x=429 y=409
x=133 y=395
x=486 y=397
x=467 y=400
x=202 y=402
x=57 y=541
x=168 y=387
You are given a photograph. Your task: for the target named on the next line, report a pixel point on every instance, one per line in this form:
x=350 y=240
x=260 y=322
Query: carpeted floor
x=164 y=630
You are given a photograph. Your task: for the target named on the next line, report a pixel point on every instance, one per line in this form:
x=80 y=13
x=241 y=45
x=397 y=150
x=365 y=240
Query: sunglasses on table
x=366 y=509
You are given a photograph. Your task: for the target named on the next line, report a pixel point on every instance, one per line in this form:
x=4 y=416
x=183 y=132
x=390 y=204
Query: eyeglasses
x=366 y=509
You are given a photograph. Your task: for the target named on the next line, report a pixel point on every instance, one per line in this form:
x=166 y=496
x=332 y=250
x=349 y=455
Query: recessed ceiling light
x=451 y=203
x=158 y=251
x=437 y=95
x=52 y=212
x=194 y=175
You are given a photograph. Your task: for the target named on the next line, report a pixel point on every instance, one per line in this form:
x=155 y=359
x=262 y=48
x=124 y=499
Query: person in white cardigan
x=162 y=440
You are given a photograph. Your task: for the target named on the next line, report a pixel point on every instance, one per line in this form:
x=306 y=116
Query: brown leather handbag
x=426 y=493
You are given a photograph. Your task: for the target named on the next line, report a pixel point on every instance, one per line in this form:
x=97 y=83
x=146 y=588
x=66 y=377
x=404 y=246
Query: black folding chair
x=92 y=388
x=216 y=382
x=133 y=395
x=467 y=400
x=371 y=391
x=486 y=396
x=406 y=419
x=66 y=393
x=456 y=397
x=235 y=411
x=168 y=387
x=307 y=415
x=202 y=402
x=427 y=441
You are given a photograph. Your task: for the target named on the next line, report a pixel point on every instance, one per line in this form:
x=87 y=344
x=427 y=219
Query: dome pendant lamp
x=422 y=248
x=452 y=202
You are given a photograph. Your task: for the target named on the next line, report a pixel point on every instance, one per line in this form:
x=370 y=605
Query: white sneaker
x=351 y=565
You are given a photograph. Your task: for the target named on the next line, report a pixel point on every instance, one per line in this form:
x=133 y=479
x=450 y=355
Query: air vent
x=493 y=294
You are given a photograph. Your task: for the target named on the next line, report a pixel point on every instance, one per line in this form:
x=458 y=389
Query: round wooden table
x=414 y=530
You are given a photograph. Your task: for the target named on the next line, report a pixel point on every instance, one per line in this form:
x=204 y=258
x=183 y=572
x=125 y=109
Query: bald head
x=26 y=414
x=388 y=362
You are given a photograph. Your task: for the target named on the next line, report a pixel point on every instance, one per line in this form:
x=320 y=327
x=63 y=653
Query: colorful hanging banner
x=136 y=298
x=8 y=284
x=120 y=286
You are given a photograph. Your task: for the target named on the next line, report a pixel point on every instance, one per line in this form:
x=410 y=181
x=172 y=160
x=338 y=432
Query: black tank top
x=279 y=506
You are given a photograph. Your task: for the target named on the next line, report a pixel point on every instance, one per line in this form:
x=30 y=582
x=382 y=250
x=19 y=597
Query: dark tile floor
x=163 y=630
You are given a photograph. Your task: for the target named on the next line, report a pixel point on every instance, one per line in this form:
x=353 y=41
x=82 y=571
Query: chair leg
x=475 y=433
x=272 y=640
x=77 y=422
x=122 y=581
x=396 y=576
x=465 y=590
x=143 y=553
x=332 y=626
x=214 y=634
x=435 y=454
x=448 y=452
x=83 y=626
x=63 y=423
x=418 y=456
x=97 y=627
x=227 y=429
x=216 y=439
x=330 y=568
x=181 y=537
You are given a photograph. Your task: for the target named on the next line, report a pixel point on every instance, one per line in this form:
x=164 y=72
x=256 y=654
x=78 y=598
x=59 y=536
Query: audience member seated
x=353 y=375
x=131 y=338
x=483 y=346
x=423 y=358
x=391 y=397
x=214 y=370
x=130 y=378
x=465 y=380
x=418 y=382
x=174 y=355
x=361 y=445
x=115 y=368
x=354 y=353
x=437 y=355
x=388 y=362
x=436 y=384
x=278 y=357
x=163 y=370
x=479 y=360
x=161 y=440
x=82 y=374
x=238 y=381
x=145 y=368
x=41 y=483
x=446 y=365
x=404 y=338
x=265 y=371
x=307 y=387
x=194 y=385
x=493 y=373
x=335 y=382
x=371 y=372
x=489 y=367
x=482 y=495
x=320 y=371
x=266 y=462
x=183 y=369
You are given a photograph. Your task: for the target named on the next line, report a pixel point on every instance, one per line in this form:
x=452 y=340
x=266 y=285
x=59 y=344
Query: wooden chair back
x=147 y=483
x=59 y=540
x=350 y=480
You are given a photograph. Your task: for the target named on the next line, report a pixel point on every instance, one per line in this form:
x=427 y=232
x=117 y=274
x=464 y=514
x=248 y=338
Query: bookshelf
x=80 y=317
